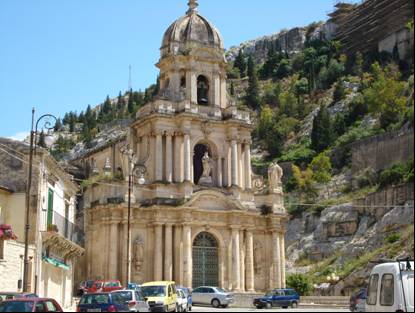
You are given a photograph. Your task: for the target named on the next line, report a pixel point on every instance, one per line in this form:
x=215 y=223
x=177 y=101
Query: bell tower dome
x=192 y=64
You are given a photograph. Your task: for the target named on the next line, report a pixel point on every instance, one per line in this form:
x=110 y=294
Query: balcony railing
x=67 y=229
x=170 y=108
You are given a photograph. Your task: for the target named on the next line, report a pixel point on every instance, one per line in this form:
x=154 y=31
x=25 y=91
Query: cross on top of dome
x=193 y=4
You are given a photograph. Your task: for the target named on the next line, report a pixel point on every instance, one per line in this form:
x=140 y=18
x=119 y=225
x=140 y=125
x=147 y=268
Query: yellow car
x=161 y=296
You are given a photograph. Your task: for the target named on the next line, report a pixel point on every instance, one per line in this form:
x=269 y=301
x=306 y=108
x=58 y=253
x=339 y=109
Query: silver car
x=135 y=300
x=214 y=296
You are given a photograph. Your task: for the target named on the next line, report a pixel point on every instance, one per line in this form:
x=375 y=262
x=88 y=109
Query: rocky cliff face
x=289 y=41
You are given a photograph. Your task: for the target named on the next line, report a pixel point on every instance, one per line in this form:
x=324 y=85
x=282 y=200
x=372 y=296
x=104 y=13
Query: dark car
x=358 y=301
x=189 y=297
x=102 y=302
x=278 y=298
x=30 y=305
x=16 y=295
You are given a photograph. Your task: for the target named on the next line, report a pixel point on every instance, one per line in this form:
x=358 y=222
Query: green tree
x=240 y=63
x=232 y=89
x=252 y=93
x=300 y=283
x=386 y=95
x=357 y=69
x=339 y=92
x=131 y=103
x=322 y=170
x=305 y=182
x=58 y=125
x=322 y=133
x=284 y=69
x=42 y=140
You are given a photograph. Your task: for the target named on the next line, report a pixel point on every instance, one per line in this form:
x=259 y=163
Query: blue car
x=102 y=302
x=278 y=298
x=189 y=297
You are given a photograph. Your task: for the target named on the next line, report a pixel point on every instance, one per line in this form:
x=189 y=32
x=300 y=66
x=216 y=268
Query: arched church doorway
x=199 y=153
x=202 y=90
x=205 y=261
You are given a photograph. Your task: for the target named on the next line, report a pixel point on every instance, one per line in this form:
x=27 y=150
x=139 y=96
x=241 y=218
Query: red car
x=105 y=286
x=30 y=305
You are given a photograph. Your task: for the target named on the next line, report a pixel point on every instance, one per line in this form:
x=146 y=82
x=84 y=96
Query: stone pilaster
x=220 y=172
x=282 y=258
x=159 y=157
x=179 y=158
x=236 y=260
x=168 y=256
x=242 y=259
x=187 y=257
x=250 y=271
x=248 y=167
x=158 y=252
x=187 y=158
x=169 y=158
x=234 y=163
x=276 y=264
x=113 y=251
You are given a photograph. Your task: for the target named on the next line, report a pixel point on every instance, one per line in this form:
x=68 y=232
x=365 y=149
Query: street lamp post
x=133 y=167
x=33 y=133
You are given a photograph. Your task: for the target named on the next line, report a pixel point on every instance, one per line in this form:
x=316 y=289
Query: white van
x=391 y=287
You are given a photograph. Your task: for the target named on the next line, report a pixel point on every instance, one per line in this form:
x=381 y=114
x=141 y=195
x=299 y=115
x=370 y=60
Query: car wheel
x=269 y=306
x=215 y=303
x=294 y=305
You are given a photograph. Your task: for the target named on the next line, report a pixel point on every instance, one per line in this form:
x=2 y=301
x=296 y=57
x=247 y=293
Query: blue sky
x=61 y=55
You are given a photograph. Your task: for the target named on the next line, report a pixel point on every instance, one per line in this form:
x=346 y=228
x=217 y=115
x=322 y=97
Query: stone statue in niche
x=138 y=258
x=206 y=178
x=275 y=174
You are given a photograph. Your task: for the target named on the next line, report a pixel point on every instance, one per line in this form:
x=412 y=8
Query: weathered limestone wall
x=382 y=151
x=11 y=267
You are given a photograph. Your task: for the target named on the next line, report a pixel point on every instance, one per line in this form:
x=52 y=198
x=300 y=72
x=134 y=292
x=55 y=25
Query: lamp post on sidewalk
x=33 y=133
x=140 y=169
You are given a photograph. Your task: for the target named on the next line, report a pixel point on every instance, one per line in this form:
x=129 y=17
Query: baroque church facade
x=199 y=216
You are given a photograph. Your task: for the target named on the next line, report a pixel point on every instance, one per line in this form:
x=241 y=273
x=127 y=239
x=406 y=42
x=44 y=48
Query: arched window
x=202 y=90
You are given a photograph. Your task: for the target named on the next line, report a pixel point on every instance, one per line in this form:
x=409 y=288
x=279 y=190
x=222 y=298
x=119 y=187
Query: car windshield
x=126 y=295
x=154 y=291
x=94 y=299
x=269 y=293
x=89 y=284
x=17 y=306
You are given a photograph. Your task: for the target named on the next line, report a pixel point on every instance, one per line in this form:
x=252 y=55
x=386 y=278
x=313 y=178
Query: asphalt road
x=209 y=309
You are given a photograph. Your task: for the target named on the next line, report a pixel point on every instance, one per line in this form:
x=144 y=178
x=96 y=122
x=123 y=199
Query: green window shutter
x=50 y=207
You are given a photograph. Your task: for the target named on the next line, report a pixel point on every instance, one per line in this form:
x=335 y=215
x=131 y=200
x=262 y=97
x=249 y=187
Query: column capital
x=156 y=224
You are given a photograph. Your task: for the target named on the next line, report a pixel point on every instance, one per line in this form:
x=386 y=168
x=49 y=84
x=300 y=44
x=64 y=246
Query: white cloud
x=20 y=136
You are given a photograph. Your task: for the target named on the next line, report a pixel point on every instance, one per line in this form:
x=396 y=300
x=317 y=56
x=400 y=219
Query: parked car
x=391 y=287
x=181 y=301
x=16 y=295
x=84 y=286
x=188 y=293
x=358 y=301
x=135 y=300
x=133 y=286
x=278 y=298
x=161 y=296
x=100 y=286
x=30 y=305
x=102 y=302
x=214 y=296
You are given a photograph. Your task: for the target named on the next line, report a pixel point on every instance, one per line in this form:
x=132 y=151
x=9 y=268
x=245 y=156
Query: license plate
x=93 y=310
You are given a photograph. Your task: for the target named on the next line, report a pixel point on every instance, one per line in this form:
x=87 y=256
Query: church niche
x=202 y=90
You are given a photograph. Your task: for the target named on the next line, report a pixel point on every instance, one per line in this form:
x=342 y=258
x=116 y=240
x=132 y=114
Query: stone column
x=187 y=158
x=192 y=87
x=220 y=173
x=240 y=166
x=236 y=261
x=227 y=182
x=113 y=251
x=178 y=255
x=216 y=90
x=158 y=252
x=242 y=259
x=179 y=158
x=169 y=158
x=187 y=257
x=234 y=163
x=159 y=157
x=282 y=259
x=168 y=257
x=276 y=264
x=230 y=265
x=250 y=271
x=248 y=167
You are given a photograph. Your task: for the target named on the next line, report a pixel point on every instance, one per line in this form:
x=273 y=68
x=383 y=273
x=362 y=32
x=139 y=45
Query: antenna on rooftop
x=130 y=84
